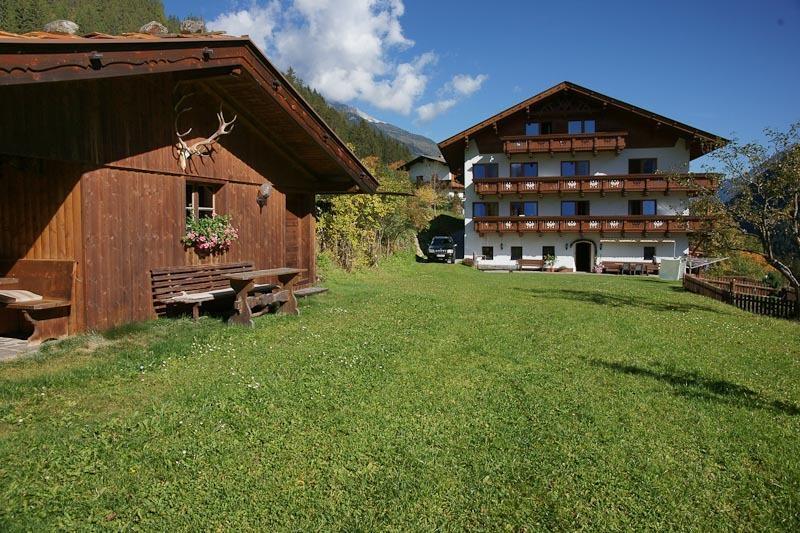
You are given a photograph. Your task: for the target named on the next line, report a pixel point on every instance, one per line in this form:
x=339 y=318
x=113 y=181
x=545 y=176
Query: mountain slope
x=354 y=130
x=417 y=144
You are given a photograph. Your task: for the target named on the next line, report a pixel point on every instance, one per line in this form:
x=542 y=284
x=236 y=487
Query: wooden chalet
x=93 y=196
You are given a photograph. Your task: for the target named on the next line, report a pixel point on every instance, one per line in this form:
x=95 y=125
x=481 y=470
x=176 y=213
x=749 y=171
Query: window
x=649 y=253
x=487 y=252
x=580 y=126
x=571 y=208
x=420 y=180
x=485 y=209
x=574 y=168
x=525 y=170
x=524 y=209
x=642 y=207
x=538 y=128
x=548 y=250
x=484 y=170
x=199 y=200
x=516 y=253
x=642 y=166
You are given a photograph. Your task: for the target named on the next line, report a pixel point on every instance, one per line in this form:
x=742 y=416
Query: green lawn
x=417 y=397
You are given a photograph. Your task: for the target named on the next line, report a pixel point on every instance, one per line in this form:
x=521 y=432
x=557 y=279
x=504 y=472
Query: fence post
x=732 y=291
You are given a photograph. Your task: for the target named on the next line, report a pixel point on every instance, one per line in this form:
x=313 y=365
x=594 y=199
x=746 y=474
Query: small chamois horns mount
x=203 y=148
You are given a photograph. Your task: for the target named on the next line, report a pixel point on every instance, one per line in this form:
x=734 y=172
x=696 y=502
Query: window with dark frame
x=642 y=207
x=571 y=208
x=487 y=252
x=200 y=200
x=548 y=250
x=538 y=128
x=581 y=126
x=646 y=165
x=524 y=209
x=516 y=253
x=575 y=168
x=485 y=170
x=649 y=253
x=524 y=170
x=485 y=209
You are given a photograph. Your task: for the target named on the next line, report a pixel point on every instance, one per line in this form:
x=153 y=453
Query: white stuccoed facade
x=608 y=247
x=424 y=168
x=427 y=168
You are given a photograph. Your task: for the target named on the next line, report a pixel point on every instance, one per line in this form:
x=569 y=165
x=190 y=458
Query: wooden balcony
x=629 y=183
x=627 y=224
x=565 y=142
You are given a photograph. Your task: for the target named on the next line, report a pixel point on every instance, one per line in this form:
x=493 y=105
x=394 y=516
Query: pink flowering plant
x=210 y=235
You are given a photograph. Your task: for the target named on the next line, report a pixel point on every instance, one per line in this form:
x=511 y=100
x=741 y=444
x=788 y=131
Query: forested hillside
x=105 y=16
x=357 y=132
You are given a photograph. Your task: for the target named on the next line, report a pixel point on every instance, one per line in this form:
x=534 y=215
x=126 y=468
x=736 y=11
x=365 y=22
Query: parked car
x=442 y=248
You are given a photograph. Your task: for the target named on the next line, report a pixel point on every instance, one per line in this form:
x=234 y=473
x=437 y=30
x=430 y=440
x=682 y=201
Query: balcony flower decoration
x=210 y=235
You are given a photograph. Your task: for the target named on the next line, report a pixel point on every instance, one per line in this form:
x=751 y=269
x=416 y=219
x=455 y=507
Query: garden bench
x=611 y=268
x=53 y=281
x=534 y=264
x=194 y=285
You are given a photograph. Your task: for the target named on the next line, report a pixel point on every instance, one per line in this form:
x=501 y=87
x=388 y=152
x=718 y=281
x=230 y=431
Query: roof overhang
x=45 y=58
x=701 y=141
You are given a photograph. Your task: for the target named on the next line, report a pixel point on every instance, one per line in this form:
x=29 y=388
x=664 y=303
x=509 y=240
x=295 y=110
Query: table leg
x=242 y=315
x=290 y=307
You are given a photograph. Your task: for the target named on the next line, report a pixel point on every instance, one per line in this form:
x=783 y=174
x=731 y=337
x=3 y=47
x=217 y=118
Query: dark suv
x=442 y=248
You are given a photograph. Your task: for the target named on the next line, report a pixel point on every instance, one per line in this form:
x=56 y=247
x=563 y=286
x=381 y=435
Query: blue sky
x=726 y=67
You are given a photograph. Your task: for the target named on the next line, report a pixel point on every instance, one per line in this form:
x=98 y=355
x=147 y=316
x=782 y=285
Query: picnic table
x=8 y=281
x=242 y=284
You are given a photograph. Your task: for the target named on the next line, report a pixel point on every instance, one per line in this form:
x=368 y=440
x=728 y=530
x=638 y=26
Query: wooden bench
x=533 y=264
x=53 y=280
x=630 y=267
x=193 y=285
x=611 y=267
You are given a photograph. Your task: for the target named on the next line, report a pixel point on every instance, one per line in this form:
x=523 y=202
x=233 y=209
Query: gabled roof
x=40 y=57
x=437 y=158
x=569 y=86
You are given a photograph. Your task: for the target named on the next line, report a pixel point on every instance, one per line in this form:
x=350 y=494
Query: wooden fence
x=750 y=296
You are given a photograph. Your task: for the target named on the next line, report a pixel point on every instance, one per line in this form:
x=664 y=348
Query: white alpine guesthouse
x=578 y=178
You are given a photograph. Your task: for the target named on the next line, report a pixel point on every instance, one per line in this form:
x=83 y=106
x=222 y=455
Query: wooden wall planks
x=40 y=215
x=90 y=175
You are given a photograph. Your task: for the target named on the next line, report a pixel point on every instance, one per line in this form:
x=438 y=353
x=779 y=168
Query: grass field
x=417 y=397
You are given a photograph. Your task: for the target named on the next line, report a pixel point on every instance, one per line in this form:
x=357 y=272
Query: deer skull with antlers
x=200 y=148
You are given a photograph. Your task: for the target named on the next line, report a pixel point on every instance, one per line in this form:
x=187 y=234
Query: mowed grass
x=417 y=397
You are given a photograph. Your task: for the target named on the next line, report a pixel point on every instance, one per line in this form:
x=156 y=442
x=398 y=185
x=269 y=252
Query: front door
x=583 y=256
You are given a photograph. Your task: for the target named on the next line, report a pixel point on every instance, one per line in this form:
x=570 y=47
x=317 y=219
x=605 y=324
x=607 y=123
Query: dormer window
x=538 y=128
x=581 y=126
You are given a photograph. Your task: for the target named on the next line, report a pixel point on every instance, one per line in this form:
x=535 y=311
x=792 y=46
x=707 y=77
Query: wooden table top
x=8 y=281
x=253 y=274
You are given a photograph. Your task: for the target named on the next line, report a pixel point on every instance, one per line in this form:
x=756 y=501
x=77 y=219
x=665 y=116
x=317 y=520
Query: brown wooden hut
x=91 y=180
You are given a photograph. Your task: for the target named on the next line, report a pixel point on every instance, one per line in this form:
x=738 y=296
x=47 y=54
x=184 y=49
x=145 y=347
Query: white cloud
x=427 y=112
x=342 y=48
x=459 y=87
x=258 y=22
x=465 y=85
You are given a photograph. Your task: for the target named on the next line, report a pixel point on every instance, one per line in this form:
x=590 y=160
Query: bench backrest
x=47 y=277
x=530 y=262
x=173 y=281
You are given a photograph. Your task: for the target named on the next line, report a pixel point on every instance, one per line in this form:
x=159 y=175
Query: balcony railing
x=631 y=224
x=638 y=183
x=565 y=142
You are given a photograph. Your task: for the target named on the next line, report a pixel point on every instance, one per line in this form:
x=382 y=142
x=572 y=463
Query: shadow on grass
x=694 y=385
x=616 y=300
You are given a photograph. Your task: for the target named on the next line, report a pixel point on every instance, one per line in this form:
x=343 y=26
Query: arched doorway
x=584 y=259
